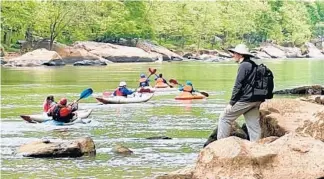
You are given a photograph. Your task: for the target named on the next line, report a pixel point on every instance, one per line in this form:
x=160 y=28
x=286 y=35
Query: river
x=189 y=123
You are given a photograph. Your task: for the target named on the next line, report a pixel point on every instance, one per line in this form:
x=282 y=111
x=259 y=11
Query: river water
x=188 y=123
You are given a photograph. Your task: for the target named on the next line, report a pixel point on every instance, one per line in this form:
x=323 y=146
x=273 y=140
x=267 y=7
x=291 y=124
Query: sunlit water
x=187 y=123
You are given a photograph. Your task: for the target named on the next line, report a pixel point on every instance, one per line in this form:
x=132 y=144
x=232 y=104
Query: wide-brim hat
x=241 y=49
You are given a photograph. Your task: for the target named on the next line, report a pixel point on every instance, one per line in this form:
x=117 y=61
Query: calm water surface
x=188 y=123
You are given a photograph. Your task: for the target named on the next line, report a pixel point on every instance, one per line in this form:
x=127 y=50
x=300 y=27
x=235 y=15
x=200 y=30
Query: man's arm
x=241 y=75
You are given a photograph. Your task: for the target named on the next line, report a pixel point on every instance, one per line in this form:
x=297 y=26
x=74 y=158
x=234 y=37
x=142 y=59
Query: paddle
x=85 y=93
x=176 y=82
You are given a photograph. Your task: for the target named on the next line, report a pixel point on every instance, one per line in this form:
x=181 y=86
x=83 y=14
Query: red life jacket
x=65 y=112
x=119 y=92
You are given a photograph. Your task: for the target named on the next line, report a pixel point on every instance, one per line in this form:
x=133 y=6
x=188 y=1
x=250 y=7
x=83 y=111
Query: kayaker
x=187 y=88
x=48 y=103
x=159 y=80
x=122 y=90
x=143 y=81
x=63 y=112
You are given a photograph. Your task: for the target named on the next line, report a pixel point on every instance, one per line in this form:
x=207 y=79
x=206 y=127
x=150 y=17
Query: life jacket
x=159 y=81
x=46 y=106
x=119 y=92
x=187 y=88
x=143 y=82
x=62 y=114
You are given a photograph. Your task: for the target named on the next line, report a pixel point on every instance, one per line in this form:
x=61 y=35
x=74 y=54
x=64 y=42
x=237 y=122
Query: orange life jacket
x=187 y=88
x=159 y=81
x=118 y=92
x=65 y=112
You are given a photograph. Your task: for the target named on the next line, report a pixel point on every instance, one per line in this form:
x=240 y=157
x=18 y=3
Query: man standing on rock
x=242 y=101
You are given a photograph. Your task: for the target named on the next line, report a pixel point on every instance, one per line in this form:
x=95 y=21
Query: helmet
x=122 y=83
x=142 y=75
x=63 y=101
x=189 y=83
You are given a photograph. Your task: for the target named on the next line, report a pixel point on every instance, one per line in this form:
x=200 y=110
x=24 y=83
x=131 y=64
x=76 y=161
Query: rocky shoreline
x=291 y=147
x=88 y=53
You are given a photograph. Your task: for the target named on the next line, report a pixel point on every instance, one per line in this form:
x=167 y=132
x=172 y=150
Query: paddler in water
x=143 y=81
x=122 y=90
x=187 y=88
x=48 y=103
x=63 y=112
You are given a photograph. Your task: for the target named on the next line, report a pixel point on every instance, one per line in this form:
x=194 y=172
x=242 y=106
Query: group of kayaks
x=141 y=95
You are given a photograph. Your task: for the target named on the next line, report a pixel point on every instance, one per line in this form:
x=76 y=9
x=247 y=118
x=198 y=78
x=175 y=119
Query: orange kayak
x=161 y=85
x=189 y=96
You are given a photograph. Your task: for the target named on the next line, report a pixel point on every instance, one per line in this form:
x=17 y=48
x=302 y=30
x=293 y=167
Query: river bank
x=87 y=53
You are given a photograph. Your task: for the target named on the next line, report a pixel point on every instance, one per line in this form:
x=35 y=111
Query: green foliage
x=177 y=24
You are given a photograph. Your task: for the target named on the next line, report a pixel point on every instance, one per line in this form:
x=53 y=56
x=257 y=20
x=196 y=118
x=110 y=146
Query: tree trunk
x=51 y=41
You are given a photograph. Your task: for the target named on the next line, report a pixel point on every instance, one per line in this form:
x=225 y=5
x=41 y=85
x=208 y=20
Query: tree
x=55 y=16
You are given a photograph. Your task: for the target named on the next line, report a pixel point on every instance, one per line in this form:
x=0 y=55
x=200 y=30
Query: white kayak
x=39 y=118
x=138 y=98
x=152 y=90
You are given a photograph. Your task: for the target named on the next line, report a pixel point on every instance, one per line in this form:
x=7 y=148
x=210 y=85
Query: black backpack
x=263 y=83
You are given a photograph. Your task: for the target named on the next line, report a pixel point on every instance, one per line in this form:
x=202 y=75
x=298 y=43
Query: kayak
x=188 y=96
x=138 y=98
x=39 y=118
x=74 y=121
x=152 y=90
x=164 y=85
x=146 y=89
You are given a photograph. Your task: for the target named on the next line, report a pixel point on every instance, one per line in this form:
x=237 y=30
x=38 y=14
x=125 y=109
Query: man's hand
x=228 y=108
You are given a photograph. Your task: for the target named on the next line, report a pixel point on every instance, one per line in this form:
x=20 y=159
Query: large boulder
x=184 y=173
x=291 y=156
x=80 y=56
x=312 y=90
x=37 y=58
x=314 y=128
x=319 y=99
x=281 y=116
x=117 y=53
x=150 y=47
x=46 y=148
x=313 y=52
x=273 y=51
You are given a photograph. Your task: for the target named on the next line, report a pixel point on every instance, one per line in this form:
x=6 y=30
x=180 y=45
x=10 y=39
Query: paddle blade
x=173 y=81
x=152 y=71
x=86 y=93
x=204 y=93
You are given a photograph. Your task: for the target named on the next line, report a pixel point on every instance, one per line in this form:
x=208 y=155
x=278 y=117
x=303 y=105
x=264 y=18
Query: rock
x=313 y=52
x=37 y=58
x=235 y=131
x=187 y=55
x=223 y=54
x=80 y=57
x=120 y=149
x=3 y=62
x=313 y=90
x=158 y=137
x=273 y=52
x=150 y=47
x=90 y=63
x=291 y=156
x=319 y=99
x=40 y=149
x=314 y=128
x=184 y=173
x=281 y=116
x=260 y=55
x=117 y=53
